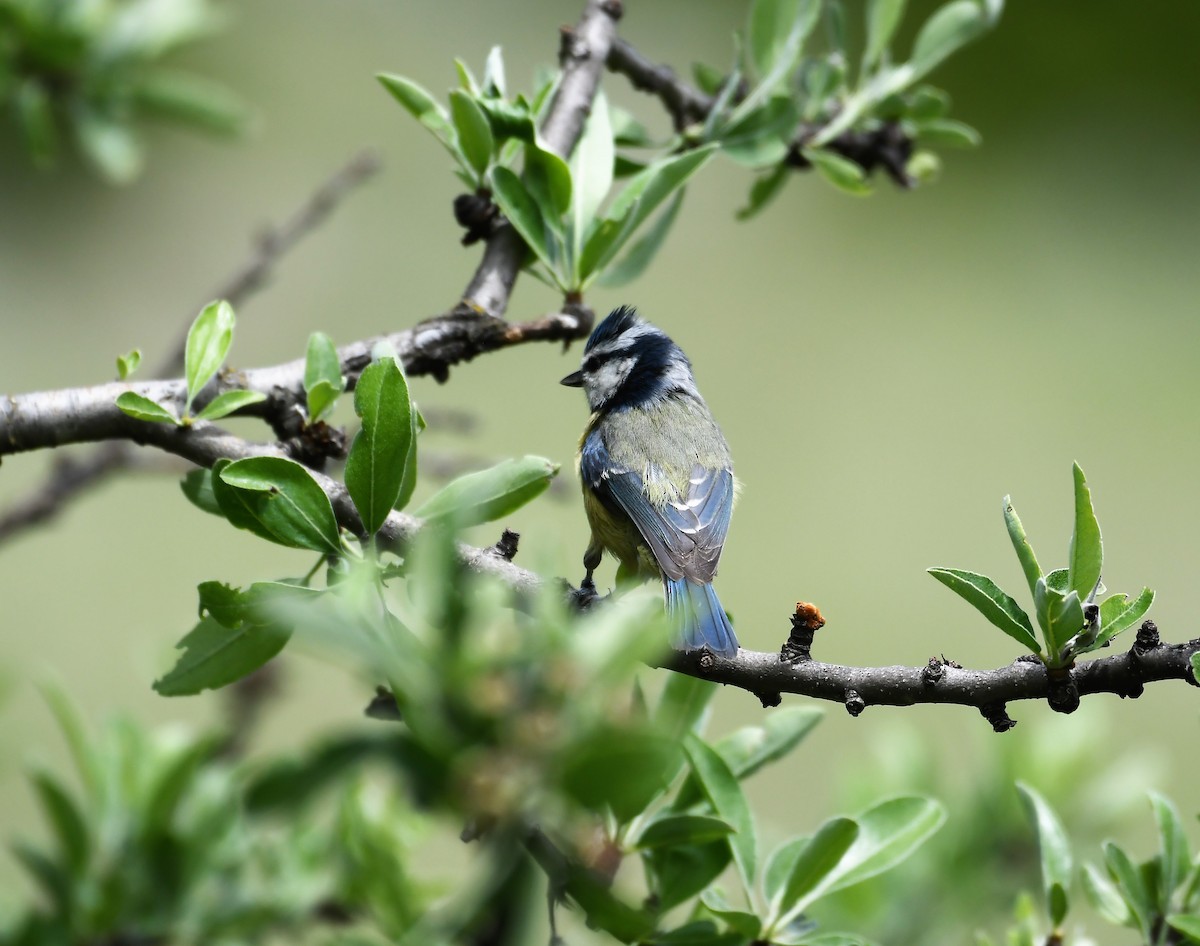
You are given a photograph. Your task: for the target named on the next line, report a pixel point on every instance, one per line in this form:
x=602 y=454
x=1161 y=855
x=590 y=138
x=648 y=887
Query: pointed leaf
x=227 y=402
x=215 y=655
x=770 y=33
x=883 y=16
x=948 y=133
x=1054 y=850
x=1118 y=614
x=142 y=408
x=323 y=380
x=522 y=211
x=422 y=106
x=766 y=188
x=490 y=494
x=683 y=705
x=1174 y=857
x=778 y=868
x=674 y=830
x=591 y=166
x=887 y=834
x=197 y=486
x=1132 y=885
x=208 y=342
x=473 y=129
x=679 y=873
x=723 y=791
x=1104 y=897
x=948 y=30
x=745 y=925
x=1087 y=551
x=638 y=257
x=279 y=500
x=67 y=821
x=814 y=864
x=1186 y=923
x=548 y=180
x=993 y=603
x=127 y=364
x=110 y=145
x=375 y=466
x=1024 y=550
x=842 y=173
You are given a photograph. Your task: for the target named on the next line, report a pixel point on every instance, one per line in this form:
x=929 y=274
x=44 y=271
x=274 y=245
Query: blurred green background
x=885 y=369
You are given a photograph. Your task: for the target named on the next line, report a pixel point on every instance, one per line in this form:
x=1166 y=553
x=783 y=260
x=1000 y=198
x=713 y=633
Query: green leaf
x=993 y=603
x=128 y=363
x=1104 y=897
x=35 y=113
x=192 y=99
x=473 y=129
x=640 y=197
x=927 y=103
x=620 y=769
x=522 y=212
x=948 y=30
x=948 y=133
x=1118 y=614
x=746 y=925
x=1174 y=857
x=277 y=499
x=1061 y=617
x=493 y=73
x=1024 y=550
x=842 y=173
x=679 y=873
x=375 y=467
x=422 y=106
x=67 y=821
x=887 y=834
x=1054 y=850
x=749 y=749
x=490 y=494
x=409 y=483
x=1196 y=666
x=1086 y=554
x=1186 y=923
x=708 y=78
x=779 y=867
x=208 y=342
x=323 y=381
x=883 y=16
x=1132 y=885
x=215 y=656
x=776 y=31
x=638 y=257
x=815 y=862
x=766 y=188
x=227 y=402
x=466 y=78
x=548 y=180
x=197 y=486
x=683 y=704
x=142 y=408
x=722 y=789
x=674 y=830
x=591 y=166
x=110 y=145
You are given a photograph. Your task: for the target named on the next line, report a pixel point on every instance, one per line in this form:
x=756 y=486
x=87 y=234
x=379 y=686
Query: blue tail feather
x=700 y=620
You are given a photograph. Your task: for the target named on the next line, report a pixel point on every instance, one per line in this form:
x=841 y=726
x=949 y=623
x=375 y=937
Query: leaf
x=142 y=408
x=422 y=106
x=208 y=342
x=128 y=363
x=640 y=197
x=883 y=16
x=948 y=30
x=1024 y=550
x=842 y=173
x=195 y=100
x=197 y=486
x=1131 y=884
x=1188 y=924
x=473 y=129
x=679 y=873
x=277 y=499
x=409 y=483
x=993 y=603
x=638 y=257
x=723 y=791
x=619 y=769
x=1054 y=850
x=674 y=830
x=215 y=656
x=1174 y=857
x=227 y=402
x=490 y=494
x=110 y=145
x=947 y=132
x=814 y=863
x=35 y=113
x=779 y=866
x=591 y=166
x=522 y=211
x=683 y=704
x=493 y=73
x=67 y=821
x=1086 y=554
x=1104 y=898
x=1118 y=614
x=548 y=180
x=776 y=30
x=749 y=749
x=375 y=467
x=1061 y=617
x=766 y=188
x=887 y=834
x=746 y=925
x=323 y=380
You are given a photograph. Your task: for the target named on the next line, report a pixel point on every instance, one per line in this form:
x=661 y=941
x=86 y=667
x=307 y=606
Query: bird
x=657 y=475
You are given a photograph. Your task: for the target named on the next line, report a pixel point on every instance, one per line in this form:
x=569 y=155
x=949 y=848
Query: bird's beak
x=573 y=380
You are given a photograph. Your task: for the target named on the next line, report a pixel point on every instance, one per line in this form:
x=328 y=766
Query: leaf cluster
x=92 y=72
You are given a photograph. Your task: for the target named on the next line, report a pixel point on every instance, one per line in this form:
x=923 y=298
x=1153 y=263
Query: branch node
x=506 y=548
x=855 y=704
x=1063 y=693
x=769 y=698
x=932 y=672
x=477 y=214
x=997 y=715
x=806 y=621
x=1147 y=639
x=707 y=660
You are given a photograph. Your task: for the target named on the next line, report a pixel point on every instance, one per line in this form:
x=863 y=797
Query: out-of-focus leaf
x=128 y=363
x=683 y=705
x=1054 y=850
x=814 y=864
x=490 y=494
x=67 y=821
x=422 y=106
x=277 y=499
x=722 y=789
x=1086 y=555
x=776 y=31
x=948 y=133
x=192 y=99
x=142 y=408
x=746 y=925
x=887 y=834
x=883 y=16
x=1174 y=857
x=993 y=603
x=473 y=129
x=208 y=342
x=548 y=181
x=766 y=188
x=674 y=830
x=197 y=486
x=110 y=145
x=227 y=402
x=623 y=770
x=493 y=73
x=36 y=116
x=1104 y=897
x=638 y=257
x=944 y=33
x=376 y=463
x=842 y=173
x=1132 y=885
x=1186 y=923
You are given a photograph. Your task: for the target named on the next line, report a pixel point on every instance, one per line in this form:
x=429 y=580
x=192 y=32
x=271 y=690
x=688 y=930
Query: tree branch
x=887 y=147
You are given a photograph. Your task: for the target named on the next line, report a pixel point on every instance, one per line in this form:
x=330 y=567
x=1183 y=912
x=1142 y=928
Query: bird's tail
x=700 y=621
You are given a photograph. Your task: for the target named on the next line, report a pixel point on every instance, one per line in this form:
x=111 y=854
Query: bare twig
x=69 y=477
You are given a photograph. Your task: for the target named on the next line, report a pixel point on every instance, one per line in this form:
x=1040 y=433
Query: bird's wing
x=685 y=536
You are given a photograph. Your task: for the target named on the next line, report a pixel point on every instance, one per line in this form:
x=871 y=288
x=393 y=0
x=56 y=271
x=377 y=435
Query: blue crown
x=618 y=321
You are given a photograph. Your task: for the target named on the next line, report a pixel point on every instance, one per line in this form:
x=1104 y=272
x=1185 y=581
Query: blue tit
x=658 y=484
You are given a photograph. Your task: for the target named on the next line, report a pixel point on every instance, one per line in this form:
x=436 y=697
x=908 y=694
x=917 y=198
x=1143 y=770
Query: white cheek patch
x=611 y=376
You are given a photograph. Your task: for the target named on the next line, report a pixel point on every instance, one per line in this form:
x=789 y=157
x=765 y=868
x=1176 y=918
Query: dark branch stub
x=997 y=715
x=806 y=621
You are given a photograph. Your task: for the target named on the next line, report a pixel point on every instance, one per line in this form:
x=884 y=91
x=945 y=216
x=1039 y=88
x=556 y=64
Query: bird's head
x=628 y=362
